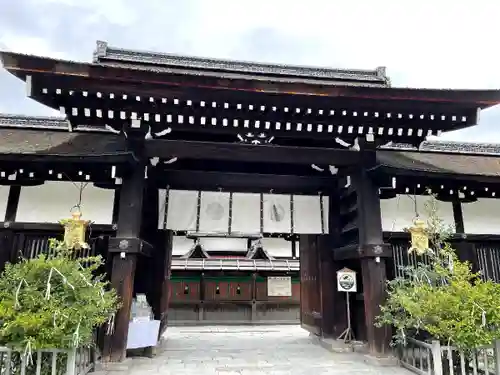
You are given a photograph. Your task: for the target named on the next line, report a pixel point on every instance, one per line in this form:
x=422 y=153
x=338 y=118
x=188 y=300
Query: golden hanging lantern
x=75 y=230
x=419 y=238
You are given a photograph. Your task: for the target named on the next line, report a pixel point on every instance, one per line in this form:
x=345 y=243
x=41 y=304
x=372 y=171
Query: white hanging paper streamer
x=28 y=355
x=76 y=336
x=64 y=279
x=450 y=262
x=110 y=325
x=483 y=314
x=18 y=290
x=403 y=335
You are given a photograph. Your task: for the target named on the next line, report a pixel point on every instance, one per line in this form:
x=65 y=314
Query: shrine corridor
x=249 y=350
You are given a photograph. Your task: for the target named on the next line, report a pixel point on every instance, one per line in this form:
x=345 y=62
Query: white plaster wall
x=181 y=245
x=398 y=213
x=482 y=216
x=277 y=247
x=52 y=201
x=224 y=244
x=4 y=195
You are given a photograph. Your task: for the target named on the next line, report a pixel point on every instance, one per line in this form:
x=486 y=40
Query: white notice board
x=279 y=286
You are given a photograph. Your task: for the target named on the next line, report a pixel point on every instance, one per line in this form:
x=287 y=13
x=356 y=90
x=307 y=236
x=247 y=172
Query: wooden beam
x=250 y=153
x=124 y=265
x=51 y=227
x=113 y=158
x=242 y=182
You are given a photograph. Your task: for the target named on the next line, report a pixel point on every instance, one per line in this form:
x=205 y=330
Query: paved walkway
x=249 y=350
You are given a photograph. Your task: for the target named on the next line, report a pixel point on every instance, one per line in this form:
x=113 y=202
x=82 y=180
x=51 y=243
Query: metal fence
x=47 y=362
x=435 y=359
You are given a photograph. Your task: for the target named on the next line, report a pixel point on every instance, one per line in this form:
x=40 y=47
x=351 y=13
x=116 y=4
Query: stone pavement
x=247 y=350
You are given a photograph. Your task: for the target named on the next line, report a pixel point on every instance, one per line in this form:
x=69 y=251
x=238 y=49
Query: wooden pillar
x=7 y=252
x=164 y=273
x=125 y=249
x=332 y=302
x=464 y=248
x=310 y=304
x=372 y=252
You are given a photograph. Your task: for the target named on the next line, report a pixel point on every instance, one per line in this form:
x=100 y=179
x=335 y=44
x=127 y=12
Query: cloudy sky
x=425 y=43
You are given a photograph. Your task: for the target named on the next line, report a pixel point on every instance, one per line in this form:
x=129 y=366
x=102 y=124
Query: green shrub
x=53 y=301
x=444 y=298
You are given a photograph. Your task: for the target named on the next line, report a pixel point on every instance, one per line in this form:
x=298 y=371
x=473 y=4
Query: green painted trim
x=180 y=279
x=219 y=279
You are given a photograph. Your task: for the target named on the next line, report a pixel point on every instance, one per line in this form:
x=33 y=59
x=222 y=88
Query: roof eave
x=400 y=171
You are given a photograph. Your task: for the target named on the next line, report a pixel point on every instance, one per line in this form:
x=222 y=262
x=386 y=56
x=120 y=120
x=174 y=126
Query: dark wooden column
x=372 y=252
x=7 y=252
x=125 y=249
x=464 y=248
x=333 y=310
x=163 y=278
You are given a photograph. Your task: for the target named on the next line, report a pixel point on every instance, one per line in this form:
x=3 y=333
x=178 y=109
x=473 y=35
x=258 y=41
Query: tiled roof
x=50 y=136
x=440 y=162
x=112 y=56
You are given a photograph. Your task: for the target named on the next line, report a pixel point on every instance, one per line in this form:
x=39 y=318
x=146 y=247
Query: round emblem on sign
x=277 y=213
x=123 y=244
x=215 y=211
x=346 y=282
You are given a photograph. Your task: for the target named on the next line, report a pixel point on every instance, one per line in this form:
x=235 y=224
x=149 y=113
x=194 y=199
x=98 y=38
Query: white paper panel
x=297 y=249
x=277 y=247
x=307 y=214
x=162 y=193
x=277 y=217
x=224 y=244
x=4 y=195
x=52 y=201
x=246 y=213
x=214 y=212
x=398 y=213
x=482 y=216
x=181 y=245
x=182 y=208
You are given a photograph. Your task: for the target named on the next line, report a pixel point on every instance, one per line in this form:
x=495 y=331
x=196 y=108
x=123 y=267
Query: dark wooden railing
x=27 y=240
x=482 y=251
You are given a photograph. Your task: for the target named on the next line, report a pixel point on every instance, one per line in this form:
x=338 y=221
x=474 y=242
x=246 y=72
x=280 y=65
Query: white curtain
x=182 y=210
x=162 y=194
x=326 y=208
x=307 y=214
x=246 y=213
x=214 y=212
x=277 y=216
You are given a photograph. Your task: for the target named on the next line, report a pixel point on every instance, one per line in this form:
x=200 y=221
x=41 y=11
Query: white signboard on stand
x=346 y=280
x=279 y=286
